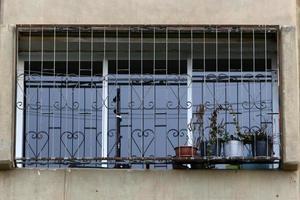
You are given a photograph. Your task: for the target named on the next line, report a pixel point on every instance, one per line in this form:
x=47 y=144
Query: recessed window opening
x=147 y=97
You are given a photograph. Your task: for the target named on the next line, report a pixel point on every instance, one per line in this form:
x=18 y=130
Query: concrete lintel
x=148 y=12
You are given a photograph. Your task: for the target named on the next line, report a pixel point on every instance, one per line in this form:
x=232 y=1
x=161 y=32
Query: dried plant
x=200 y=111
x=250 y=136
x=197 y=122
x=237 y=135
x=247 y=137
x=262 y=134
x=216 y=129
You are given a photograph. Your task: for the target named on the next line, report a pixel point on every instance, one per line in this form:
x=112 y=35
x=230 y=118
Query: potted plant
x=260 y=142
x=263 y=144
x=233 y=144
x=196 y=123
x=185 y=151
x=213 y=146
x=198 y=126
x=248 y=140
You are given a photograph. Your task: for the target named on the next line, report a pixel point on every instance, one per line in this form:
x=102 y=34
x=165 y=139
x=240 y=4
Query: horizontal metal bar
x=120 y=27
x=196 y=159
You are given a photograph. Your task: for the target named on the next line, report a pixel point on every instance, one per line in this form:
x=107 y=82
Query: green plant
x=237 y=135
x=216 y=129
x=250 y=136
x=261 y=134
x=247 y=137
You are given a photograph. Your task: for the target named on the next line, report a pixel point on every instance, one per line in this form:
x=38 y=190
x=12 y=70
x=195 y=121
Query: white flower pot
x=233 y=148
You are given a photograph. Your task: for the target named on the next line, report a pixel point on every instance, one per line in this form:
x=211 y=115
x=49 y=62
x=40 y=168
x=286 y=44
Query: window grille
x=126 y=96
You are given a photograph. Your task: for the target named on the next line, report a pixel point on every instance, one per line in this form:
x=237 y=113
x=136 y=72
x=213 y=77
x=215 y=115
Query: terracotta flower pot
x=185 y=151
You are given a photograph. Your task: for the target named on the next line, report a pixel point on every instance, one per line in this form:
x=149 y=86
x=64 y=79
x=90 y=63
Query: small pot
x=233 y=148
x=263 y=148
x=185 y=151
x=210 y=149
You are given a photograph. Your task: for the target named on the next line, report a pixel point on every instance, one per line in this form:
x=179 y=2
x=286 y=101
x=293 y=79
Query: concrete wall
x=148 y=12
x=91 y=184
x=7 y=74
x=123 y=184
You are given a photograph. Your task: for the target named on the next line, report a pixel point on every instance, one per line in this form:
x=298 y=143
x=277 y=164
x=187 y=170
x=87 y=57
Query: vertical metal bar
x=214 y=84
x=27 y=92
x=60 y=121
x=118 y=101
x=190 y=94
x=91 y=94
x=229 y=75
x=84 y=119
x=178 y=86
x=154 y=90
x=216 y=70
x=166 y=95
x=49 y=110
x=67 y=91
x=79 y=97
x=217 y=51
x=249 y=98
x=240 y=115
x=126 y=88
x=118 y=123
x=130 y=94
x=204 y=82
x=72 y=139
x=96 y=96
x=39 y=91
x=143 y=100
x=241 y=76
x=105 y=103
x=49 y=121
x=237 y=93
x=37 y=122
x=54 y=86
x=266 y=83
x=254 y=70
x=105 y=108
x=202 y=134
x=21 y=104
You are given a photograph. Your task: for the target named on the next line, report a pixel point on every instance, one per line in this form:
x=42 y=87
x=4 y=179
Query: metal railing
x=77 y=107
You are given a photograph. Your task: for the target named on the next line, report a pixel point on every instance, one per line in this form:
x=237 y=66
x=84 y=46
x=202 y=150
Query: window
x=147 y=96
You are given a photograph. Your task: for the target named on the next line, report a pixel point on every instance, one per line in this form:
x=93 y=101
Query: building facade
x=149 y=100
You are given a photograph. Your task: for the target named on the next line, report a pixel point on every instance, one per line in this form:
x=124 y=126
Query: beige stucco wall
x=123 y=184
x=149 y=12
x=91 y=184
x=7 y=72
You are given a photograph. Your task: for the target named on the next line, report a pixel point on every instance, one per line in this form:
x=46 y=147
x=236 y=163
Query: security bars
x=127 y=96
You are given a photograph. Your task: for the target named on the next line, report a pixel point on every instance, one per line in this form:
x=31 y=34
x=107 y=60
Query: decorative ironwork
x=70 y=78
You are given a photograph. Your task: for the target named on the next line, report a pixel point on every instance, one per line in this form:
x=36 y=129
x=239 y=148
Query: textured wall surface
x=149 y=12
x=129 y=184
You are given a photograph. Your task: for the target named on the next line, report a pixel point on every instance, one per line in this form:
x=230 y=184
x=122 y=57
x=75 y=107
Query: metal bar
x=118 y=123
x=105 y=109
